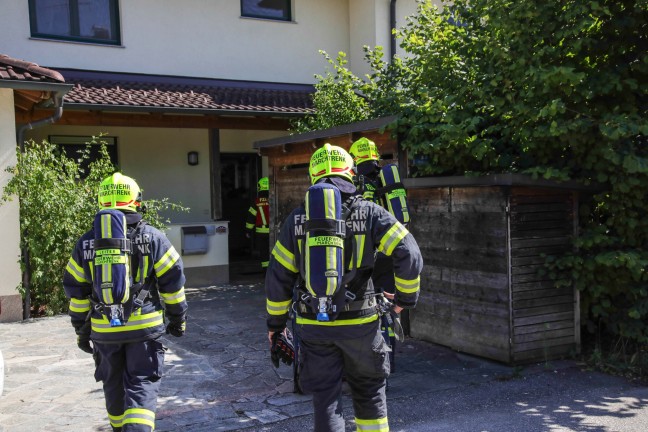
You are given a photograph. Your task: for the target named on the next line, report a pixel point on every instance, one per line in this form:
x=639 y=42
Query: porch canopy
x=141 y=100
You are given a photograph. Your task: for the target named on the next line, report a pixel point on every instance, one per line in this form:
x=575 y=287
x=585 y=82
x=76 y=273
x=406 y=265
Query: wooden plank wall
x=464 y=302
x=544 y=317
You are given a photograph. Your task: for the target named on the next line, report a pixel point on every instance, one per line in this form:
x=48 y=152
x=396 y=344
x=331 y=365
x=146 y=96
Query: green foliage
x=525 y=86
x=335 y=100
x=342 y=98
x=57 y=206
x=619 y=356
x=555 y=90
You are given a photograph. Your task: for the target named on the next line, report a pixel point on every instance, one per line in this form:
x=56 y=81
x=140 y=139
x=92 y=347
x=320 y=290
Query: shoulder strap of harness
x=141 y=289
x=347 y=208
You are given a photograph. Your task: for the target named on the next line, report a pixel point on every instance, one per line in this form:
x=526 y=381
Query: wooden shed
x=484 y=241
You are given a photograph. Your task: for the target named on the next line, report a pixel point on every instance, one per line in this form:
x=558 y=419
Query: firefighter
x=352 y=345
x=129 y=358
x=367 y=159
x=258 y=221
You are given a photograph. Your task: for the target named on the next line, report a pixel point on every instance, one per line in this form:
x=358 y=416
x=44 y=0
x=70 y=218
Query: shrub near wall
x=551 y=89
x=57 y=206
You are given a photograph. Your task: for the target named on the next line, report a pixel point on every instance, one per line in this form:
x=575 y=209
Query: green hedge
x=552 y=89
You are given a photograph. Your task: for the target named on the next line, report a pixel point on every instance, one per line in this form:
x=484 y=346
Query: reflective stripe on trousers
x=131 y=374
x=365 y=363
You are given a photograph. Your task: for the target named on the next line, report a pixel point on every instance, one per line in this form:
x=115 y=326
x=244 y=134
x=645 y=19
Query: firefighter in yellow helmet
x=258 y=221
x=129 y=356
x=366 y=158
x=350 y=344
x=370 y=182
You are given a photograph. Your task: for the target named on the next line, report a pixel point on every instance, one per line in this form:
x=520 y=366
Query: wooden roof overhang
x=137 y=100
x=34 y=100
x=297 y=149
x=160 y=118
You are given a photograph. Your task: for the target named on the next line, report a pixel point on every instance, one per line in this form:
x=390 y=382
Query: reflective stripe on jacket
x=258 y=217
x=163 y=269
x=374 y=229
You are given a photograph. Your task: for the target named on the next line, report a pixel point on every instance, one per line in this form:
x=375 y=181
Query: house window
x=94 y=21
x=72 y=145
x=267 y=9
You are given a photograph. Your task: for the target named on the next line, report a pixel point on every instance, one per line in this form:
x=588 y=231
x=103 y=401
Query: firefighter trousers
x=131 y=374
x=364 y=362
x=263 y=246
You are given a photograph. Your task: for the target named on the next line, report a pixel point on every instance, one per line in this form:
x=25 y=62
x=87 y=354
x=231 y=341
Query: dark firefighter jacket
x=162 y=267
x=258 y=217
x=374 y=230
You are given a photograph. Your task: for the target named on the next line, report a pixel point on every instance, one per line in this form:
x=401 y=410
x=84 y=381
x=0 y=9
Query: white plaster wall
x=157 y=160
x=242 y=141
x=202 y=38
x=363 y=29
x=369 y=24
x=9 y=211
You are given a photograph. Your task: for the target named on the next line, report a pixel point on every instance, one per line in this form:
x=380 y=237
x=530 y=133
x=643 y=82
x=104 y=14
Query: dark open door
x=239 y=175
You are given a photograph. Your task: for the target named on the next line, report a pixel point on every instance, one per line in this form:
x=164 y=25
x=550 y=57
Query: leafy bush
x=535 y=87
x=342 y=98
x=57 y=206
x=549 y=89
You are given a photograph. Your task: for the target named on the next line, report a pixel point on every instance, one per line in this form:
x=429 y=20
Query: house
x=22 y=86
x=182 y=90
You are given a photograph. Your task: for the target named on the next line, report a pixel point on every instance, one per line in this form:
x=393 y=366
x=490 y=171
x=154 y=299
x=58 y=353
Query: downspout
x=392 y=26
x=20 y=136
x=58 y=112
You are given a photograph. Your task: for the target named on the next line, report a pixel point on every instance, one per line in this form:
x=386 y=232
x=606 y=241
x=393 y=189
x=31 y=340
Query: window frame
x=289 y=18
x=83 y=140
x=73 y=11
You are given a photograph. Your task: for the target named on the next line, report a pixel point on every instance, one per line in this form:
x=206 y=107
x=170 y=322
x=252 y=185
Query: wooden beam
x=34 y=95
x=21 y=103
x=158 y=120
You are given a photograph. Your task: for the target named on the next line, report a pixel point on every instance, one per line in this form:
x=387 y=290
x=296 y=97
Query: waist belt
x=358 y=305
x=354 y=306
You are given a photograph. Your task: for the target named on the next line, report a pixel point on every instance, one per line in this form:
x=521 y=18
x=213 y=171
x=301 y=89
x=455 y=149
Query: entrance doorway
x=239 y=175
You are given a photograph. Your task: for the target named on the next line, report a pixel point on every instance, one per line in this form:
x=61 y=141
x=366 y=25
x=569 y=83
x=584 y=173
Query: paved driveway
x=219 y=378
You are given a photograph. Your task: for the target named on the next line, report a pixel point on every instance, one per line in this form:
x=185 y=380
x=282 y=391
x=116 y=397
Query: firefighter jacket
x=368 y=181
x=258 y=217
x=164 y=278
x=373 y=230
x=370 y=185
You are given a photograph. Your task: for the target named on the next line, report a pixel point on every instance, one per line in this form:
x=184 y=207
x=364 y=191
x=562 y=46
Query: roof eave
x=176 y=110
x=60 y=88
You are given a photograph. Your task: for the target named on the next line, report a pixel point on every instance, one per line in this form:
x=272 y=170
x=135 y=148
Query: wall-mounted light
x=192 y=158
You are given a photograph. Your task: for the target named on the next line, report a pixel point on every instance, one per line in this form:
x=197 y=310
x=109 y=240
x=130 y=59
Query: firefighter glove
x=176 y=329
x=83 y=342
x=399 y=334
x=83 y=337
x=282 y=348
